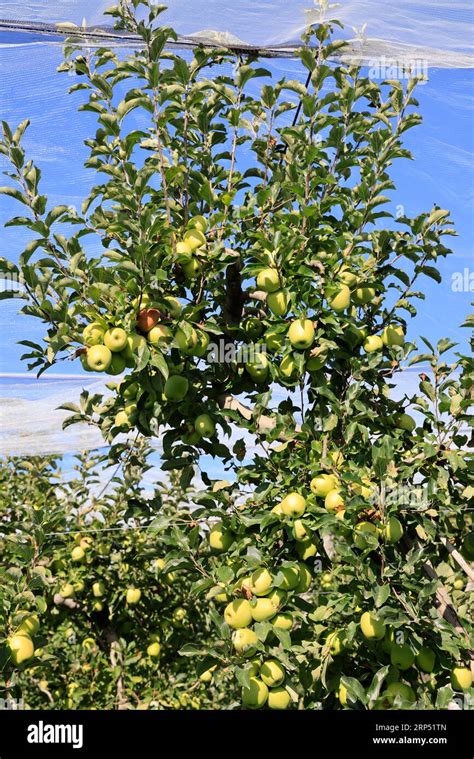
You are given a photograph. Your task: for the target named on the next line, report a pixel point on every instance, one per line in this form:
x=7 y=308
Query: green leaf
x=381 y=595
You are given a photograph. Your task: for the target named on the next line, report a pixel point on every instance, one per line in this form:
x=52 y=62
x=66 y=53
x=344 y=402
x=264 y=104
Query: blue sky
x=442 y=173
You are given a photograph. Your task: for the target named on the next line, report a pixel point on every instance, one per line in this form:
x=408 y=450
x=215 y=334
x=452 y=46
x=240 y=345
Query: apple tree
x=255 y=277
x=97 y=588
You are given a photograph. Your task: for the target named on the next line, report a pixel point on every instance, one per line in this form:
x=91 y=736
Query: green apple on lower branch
x=220 y=539
x=238 y=613
x=176 y=388
x=244 y=641
x=372 y=628
x=256 y=695
x=21 y=647
x=278 y=698
x=461 y=678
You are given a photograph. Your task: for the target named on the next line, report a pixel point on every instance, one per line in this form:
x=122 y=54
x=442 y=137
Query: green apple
x=461 y=678
x=203 y=341
x=278 y=698
x=195 y=239
x=99 y=358
x=306 y=549
x=93 y=334
x=98 y=589
x=299 y=530
x=363 y=295
x=316 y=363
x=393 y=335
x=198 y=222
x=133 y=595
x=204 y=425
x=336 y=642
x=277 y=597
x=340 y=300
x=179 y=616
x=173 y=305
x=159 y=335
x=129 y=391
x=261 y=581
x=85 y=365
x=323 y=484
x=405 y=422
x=253 y=328
x=372 y=628
x=238 y=613
x=220 y=539
x=425 y=659
x=115 y=339
x=359 y=536
x=244 y=641
x=78 y=554
x=399 y=691
x=291 y=577
x=21 y=647
x=272 y=673
x=122 y=419
x=334 y=501
x=29 y=625
x=288 y=367
x=184 y=251
x=269 y=280
x=176 y=388
x=255 y=696
x=186 y=342
x=283 y=621
x=278 y=302
x=134 y=343
x=401 y=656
x=347 y=277
x=117 y=365
x=373 y=343
x=305 y=579
x=258 y=367
x=393 y=530
x=301 y=333
x=153 y=650
x=67 y=590
x=192 y=269
x=294 y=505
x=274 y=340
x=254 y=667
x=263 y=609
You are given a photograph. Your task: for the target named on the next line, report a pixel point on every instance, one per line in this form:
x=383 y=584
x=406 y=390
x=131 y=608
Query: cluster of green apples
x=327 y=486
x=403 y=657
x=20 y=643
x=191 y=245
x=263 y=597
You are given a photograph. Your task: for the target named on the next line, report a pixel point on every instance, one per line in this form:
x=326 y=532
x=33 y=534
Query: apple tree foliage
x=72 y=549
x=244 y=212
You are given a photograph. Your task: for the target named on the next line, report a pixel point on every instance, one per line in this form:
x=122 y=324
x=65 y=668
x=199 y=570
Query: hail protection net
x=432 y=38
